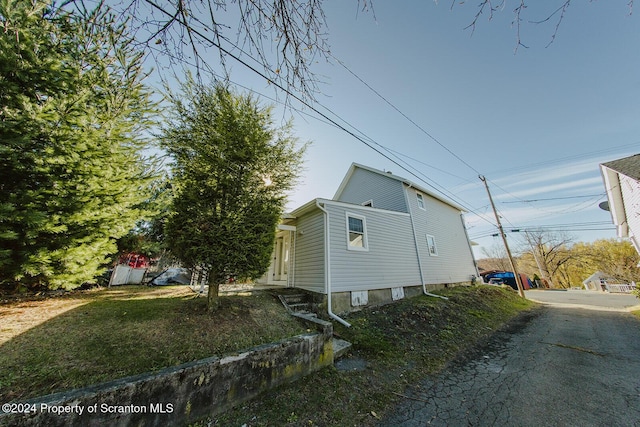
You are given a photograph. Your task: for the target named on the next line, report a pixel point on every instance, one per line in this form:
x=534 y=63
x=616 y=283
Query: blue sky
x=536 y=122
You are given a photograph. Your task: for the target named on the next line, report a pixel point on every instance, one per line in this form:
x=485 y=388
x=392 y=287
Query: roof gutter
x=327 y=266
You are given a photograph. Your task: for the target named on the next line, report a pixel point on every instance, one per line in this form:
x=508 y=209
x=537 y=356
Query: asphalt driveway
x=573 y=362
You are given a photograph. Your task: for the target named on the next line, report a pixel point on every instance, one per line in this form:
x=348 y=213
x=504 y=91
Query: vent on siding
x=397 y=293
x=359 y=298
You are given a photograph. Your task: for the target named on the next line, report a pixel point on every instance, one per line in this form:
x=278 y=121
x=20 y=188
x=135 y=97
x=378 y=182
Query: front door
x=281 y=255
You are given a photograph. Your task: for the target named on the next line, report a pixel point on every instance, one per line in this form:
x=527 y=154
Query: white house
x=597 y=281
x=380 y=238
x=622 y=183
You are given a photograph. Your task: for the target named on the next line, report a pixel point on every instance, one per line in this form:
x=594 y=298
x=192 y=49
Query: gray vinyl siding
x=454 y=262
x=310 y=252
x=391 y=259
x=385 y=192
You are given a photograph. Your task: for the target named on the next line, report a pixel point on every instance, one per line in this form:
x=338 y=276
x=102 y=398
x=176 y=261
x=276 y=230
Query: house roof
x=629 y=166
x=313 y=204
x=596 y=276
x=388 y=174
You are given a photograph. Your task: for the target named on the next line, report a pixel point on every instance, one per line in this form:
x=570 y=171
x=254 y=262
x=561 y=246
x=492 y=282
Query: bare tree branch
x=282 y=38
x=489 y=8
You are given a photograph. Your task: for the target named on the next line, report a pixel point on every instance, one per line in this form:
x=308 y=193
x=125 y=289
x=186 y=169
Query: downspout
x=415 y=241
x=466 y=234
x=293 y=235
x=327 y=266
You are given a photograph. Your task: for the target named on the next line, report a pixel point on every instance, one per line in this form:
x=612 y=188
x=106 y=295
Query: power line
x=369 y=142
x=353 y=132
x=438 y=142
x=580 y=226
x=433 y=138
x=557 y=198
x=574 y=157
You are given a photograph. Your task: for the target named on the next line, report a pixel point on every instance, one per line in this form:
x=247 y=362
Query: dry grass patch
x=89 y=337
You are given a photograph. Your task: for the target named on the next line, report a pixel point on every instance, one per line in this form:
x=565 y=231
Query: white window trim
x=420 y=201
x=435 y=245
x=365 y=241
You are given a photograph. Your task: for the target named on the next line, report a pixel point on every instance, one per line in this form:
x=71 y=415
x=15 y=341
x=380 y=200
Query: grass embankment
x=83 y=338
x=401 y=343
x=89 y=337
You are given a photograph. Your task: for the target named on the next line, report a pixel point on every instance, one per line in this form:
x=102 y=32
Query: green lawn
x=94 y=336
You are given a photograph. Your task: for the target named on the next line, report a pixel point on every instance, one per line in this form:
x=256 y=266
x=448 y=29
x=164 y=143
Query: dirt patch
x=351 y=364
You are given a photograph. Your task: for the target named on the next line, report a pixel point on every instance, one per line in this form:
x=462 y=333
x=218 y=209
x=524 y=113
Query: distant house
x=603 y=282
x=622 y=183
x=380 y=238
x=597 y=281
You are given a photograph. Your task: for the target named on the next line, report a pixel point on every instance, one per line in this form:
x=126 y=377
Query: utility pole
x=504 y=239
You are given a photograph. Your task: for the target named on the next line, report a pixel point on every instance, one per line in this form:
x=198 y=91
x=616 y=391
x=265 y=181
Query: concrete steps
x=302 y=303
x=340 y=348
x=298 y=303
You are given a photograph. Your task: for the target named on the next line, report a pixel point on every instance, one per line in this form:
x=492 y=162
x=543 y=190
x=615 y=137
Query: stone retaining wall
x=184 y=393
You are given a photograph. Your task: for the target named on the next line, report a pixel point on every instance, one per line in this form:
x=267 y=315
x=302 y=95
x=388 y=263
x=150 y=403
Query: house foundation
x=347 y=302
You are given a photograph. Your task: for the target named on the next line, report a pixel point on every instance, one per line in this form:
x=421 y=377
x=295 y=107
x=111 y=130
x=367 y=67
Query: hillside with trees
x=564 y=263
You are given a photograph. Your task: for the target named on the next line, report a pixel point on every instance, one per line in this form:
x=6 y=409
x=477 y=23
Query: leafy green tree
x=73 y=110
x=231 y=171
x=617 y=258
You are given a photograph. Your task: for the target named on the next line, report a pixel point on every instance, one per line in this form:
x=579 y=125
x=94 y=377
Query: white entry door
x=281 y=257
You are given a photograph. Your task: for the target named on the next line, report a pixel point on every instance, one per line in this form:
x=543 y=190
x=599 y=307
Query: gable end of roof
x=629 y=166
x=390 y=175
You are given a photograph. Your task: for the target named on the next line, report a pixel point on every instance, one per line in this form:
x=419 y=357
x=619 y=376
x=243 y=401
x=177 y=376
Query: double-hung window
x=420 y=200
x=431 y=244
x=357 y=233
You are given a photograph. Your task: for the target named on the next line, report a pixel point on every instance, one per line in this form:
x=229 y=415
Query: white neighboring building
x=622 y=183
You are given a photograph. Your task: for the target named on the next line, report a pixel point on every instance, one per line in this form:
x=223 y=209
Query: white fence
x=620 y=287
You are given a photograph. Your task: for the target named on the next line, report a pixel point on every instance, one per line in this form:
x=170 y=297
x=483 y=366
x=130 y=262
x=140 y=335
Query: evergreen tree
x=72 y=112
x=231 y=170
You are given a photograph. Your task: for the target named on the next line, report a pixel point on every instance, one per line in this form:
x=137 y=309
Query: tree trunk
x=213 y=299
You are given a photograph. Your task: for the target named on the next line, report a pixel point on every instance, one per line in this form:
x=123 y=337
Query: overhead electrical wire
x=579 y=226
x=574 y=157
x=436 y=141
x=557 y=198
x=353 y=131
x=433 y=138
x=369 y=142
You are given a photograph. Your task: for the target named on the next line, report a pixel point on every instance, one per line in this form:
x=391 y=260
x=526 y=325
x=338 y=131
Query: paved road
x=585 y=299
x=557 y=367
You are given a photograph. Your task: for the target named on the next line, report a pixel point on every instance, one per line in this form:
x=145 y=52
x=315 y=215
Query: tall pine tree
x=73 y=110
x=231 y=171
